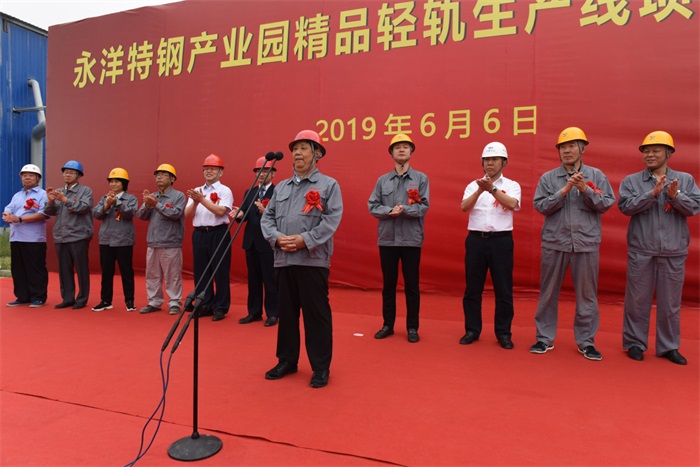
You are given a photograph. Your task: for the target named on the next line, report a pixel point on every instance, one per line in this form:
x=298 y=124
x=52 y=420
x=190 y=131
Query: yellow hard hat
x=658 y=137
x=571 y=134
x=118 y=173
x=166 y=168
x=401 y=138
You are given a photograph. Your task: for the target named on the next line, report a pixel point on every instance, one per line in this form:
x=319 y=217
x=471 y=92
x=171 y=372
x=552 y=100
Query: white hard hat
x=495 y=149
x=31 y=168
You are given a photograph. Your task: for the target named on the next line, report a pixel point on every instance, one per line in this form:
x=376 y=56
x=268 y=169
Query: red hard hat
x=262 y=162
x=212 y=160
x=311 y=136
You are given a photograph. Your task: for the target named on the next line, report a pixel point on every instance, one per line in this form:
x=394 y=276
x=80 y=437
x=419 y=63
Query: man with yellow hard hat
x=400 y=201
x=572 y=199
x=165 y=211
x=116 y=210
x=659 y=201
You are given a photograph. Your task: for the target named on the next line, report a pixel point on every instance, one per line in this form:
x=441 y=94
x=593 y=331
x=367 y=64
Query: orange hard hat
x=262 y=162
x=401 y=138
x=658 y=137
x=166 y=168
x=571 y=134
x=312 y=137
x=212 y=160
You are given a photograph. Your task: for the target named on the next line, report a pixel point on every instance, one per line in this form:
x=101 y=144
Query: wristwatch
x=494 y=189
x=20 y=220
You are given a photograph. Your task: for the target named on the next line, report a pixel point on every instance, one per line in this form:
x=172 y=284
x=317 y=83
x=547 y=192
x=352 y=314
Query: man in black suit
x=258 y=253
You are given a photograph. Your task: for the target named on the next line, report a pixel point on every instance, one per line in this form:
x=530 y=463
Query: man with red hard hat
x=208 y=206
x=659 y=201
x=299 y=223
x=259 y=256
x=400 y=201
x=572 y=199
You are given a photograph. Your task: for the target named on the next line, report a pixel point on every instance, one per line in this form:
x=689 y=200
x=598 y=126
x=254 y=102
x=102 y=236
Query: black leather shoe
x=282 y=369
x=469 y=337
x=505 y=341
x=320 y=379
x=271 y=321
x=78 y=306
x=635 y=353
x=385 y=331
x=413 y=336
x=249 y=319
x=675 y=357
x=64 y=305
x=218 y=316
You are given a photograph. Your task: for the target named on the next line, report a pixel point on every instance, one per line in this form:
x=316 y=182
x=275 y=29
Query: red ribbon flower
x=30 y=204
x=496 y=203
x=214 y=198
x=414 y=197
x=265 y=202
x=668 y=207
x=118 y=215
x=313 y=200
x=168 y=205
x=595 y=189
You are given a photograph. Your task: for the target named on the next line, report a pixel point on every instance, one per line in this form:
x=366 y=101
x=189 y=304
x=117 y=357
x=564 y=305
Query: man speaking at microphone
x=299 y=223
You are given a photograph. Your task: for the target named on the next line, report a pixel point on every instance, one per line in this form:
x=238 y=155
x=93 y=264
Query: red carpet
x=78 y=385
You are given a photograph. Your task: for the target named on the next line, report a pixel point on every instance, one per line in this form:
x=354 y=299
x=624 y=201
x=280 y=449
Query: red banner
x=175 y=83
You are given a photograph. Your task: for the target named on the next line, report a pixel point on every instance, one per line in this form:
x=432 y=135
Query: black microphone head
x=279 y=156
x=270 y=156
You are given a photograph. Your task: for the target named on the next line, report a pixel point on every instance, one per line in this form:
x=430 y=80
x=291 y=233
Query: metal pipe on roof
x=39 y=131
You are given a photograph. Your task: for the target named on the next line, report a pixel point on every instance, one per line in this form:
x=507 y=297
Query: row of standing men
x=290 y=231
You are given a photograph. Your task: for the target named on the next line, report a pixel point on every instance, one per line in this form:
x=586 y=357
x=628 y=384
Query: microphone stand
x=198 y=446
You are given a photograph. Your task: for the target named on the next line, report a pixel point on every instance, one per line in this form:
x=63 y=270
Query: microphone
x=270 y=156
x=279 y=156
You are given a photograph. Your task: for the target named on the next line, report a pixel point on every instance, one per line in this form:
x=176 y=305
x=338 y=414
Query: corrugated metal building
x=23 y=62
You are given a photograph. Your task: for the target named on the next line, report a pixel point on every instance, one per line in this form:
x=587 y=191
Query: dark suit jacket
x=252 y=235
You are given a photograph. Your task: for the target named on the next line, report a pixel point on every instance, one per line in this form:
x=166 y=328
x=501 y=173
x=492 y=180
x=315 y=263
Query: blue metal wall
x=23 y=56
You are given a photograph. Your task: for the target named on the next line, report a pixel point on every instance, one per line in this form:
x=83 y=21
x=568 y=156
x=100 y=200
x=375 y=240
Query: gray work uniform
x=657 y=239
x=302 y=275
x=117 y=227
x=72 y=233
x=166 y=230
x=571 y=237
x=392 y=189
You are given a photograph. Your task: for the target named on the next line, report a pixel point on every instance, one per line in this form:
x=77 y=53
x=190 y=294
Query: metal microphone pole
x=198 y=446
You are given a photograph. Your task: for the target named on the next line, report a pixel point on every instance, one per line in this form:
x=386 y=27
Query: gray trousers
x=584 y=272
x=644 y=275
x=164 y=264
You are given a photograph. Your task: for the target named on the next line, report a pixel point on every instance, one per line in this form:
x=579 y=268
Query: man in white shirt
x=490 y=202
x=209 y=206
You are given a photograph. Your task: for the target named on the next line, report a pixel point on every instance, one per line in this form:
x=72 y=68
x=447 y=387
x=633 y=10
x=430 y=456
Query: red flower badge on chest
x=168 y=205
x=265 y=202
x=595 y=189
x=496 y=203
x=414 y=197
x=30 y=204
x=668 y=207
x=313 y=200
x=214 y=198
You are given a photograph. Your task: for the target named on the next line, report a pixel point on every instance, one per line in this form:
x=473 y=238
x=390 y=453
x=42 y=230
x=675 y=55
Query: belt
x=490 y=234
x=211 y=228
